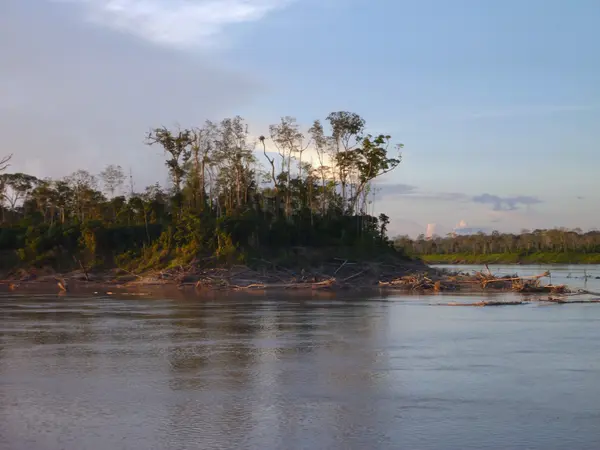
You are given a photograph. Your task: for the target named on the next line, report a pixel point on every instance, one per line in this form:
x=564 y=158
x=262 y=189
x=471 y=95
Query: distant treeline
x=222 y=205
x=559 y=245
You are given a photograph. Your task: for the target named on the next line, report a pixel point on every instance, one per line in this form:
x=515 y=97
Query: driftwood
x=494 y=279
x=131 y=273
x=83 y=268
x=562 y=300
x=336 y=273
x=485 y=303
x=319 y=285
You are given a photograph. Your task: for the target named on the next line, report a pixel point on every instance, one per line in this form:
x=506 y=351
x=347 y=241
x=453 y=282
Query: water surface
x=300 y=372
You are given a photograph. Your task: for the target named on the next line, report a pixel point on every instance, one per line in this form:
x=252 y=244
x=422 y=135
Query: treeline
x=527 y=243
x=222 y=205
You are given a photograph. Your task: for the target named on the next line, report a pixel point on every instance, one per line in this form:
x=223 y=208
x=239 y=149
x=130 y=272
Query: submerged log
x=486 y=303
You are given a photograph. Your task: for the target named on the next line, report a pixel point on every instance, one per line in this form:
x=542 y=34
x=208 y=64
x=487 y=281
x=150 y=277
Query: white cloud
x=179 y=23
x=91 y=102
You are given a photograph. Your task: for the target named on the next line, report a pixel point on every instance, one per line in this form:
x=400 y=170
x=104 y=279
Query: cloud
x=84 y=97
x=506 y=203
x=179 y=23
x=385 y=190
x=391 y=190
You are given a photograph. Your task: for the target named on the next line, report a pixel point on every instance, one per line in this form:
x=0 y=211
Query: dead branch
x=131 y=273
x=339 y=268
x=5 y=162
x=83 y=268
x=354 y=276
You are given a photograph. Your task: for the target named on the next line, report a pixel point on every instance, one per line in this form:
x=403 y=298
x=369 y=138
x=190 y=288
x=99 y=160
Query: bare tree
x=113 y=178
x=289 y=142
x=271 y=162
x=202 y=149
x=321 y=144
x=235 y=160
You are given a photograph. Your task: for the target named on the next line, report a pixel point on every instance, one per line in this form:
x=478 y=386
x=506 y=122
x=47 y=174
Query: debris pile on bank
x=336 y=274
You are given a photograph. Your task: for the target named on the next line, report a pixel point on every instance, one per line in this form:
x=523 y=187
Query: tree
x=289 y=142
x=384 y=221
x=177 y=145
x=16 y=186
x=234 y=160
x=370 y=161
x=113 y=179
x=83 y=187
x=271 y=161
x=201 y=149
x=219 y=208
x=321 y=145
x=347 y=129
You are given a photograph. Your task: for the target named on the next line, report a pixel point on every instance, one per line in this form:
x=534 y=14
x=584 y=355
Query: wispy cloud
x=506 y=203
x=178 y=23
x=393 y=189
x=406 y=191
x=498 y=203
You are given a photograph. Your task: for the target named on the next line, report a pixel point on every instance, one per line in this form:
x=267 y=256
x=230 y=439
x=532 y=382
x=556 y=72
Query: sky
x=496 y=102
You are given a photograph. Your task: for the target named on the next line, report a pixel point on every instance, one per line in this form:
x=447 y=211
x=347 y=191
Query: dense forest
x=221 y=207
x=543 y=246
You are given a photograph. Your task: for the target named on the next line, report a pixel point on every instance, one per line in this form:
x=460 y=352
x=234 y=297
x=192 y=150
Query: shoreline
x=408 y=276
x=513 y=259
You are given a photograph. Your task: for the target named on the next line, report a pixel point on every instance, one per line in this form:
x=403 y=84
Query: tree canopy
x=528 y=242
x=223 y=205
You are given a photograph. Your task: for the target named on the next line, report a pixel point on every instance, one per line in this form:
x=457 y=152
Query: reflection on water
x=296 y=372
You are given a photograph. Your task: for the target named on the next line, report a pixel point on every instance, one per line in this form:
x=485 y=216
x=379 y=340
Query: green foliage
x=224 y=207
x=538 y=246
x=514 y=258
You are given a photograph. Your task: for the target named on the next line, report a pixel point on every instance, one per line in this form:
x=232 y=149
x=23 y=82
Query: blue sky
x=497 y=102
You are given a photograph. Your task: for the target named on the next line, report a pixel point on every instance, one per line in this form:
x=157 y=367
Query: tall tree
x=113 y=179
x=83 y=187
x=371 y=161
x=321 y=145
x=177 y=145
x=347 y=130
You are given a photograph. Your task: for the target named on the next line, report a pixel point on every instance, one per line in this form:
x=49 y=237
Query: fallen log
x=319 y=285
x=485 y=303
x=496 y=280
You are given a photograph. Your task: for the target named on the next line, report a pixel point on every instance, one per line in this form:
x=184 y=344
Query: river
x=297 y=372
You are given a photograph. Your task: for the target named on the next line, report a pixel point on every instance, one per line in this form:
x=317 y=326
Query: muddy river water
x=295 y=372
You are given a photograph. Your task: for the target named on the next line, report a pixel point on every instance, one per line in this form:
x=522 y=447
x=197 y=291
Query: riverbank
x=336 y=275
x=513 y=258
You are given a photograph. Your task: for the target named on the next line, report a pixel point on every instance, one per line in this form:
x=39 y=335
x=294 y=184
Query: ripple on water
x=114 y=373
